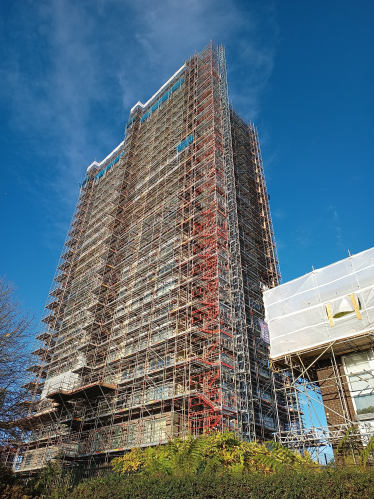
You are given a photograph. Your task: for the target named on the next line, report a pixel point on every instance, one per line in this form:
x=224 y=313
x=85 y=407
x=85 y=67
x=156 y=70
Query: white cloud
x=74 y=69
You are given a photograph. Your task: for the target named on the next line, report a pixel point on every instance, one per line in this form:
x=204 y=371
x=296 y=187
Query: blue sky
x=303 y=72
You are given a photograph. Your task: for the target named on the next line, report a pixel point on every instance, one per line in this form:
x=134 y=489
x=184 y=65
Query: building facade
x=153 y=325
x=322 y=337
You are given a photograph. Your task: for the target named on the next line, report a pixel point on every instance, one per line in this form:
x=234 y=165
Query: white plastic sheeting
x=329 y=304
x=66 y=381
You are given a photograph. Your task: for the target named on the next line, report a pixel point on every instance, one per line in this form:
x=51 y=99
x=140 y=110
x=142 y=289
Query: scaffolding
x=152 y=329
x=321 y=333
x=325 y=392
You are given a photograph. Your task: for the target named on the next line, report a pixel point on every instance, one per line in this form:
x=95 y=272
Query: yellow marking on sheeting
x=355 y=306
x=329 y=314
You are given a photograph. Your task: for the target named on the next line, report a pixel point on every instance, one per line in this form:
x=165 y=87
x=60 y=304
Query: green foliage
x=367 y=410
x=14 y=492
x=218 y=465
x=305 y=484
x=51 y=481
x=352 y=430
x=365 y=454
x=351 y=441
x=9 y=489
x=217 y=452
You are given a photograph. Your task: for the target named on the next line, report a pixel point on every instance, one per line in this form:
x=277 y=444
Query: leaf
x=366 y=452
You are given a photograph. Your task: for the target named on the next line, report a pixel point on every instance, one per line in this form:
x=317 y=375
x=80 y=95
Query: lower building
x=322 y=337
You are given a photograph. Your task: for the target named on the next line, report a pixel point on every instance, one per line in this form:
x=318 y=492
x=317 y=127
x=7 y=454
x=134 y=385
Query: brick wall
x=333 y=396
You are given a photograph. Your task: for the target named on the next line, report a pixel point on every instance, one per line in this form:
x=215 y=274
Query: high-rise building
x=153 y=328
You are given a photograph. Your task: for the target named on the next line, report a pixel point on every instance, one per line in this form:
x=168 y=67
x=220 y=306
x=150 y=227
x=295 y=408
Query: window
x=128 y=349
x=136 y=399
x=161 y=392
x=268 y=422
x=356 y=362
x=364 y=403
x=154 y=430
x=103 y=407
x=130 y=435
x=228 y=394
x=28 y=459
x=228 y=359
x=166 y=269
x=163 y=334
x=111 y=356
x=147 y=437
x=150 y=394
x=50 y=454
x=359 y=368
x=142 y=343
x=97 y=442
x=164 y=289
x=266 y=397
x=117 y=438
x=126 y=373
x=364 y=381
x=159 y=430
x=264 y=372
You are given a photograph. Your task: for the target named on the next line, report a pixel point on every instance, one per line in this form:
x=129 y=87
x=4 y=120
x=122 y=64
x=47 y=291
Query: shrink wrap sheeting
x=326 y=305
x=66 y=381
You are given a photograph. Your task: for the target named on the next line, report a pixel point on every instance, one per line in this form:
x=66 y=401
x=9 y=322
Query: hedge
x=327 y=484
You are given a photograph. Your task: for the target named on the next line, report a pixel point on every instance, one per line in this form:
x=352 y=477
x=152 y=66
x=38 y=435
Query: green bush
x=218 y=465
x=330 y=483
x=216 y=452
x=9 y=488
x=48 y=483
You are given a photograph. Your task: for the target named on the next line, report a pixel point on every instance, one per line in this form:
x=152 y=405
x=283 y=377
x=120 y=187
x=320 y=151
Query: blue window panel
x=145 y=116
x=178 y=84
x=163 y=98
x=185 y=143
x=166 y=96
x=129 y=122
x=99 y=175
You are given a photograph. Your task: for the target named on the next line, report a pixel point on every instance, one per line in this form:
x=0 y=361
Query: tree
x=15 y=325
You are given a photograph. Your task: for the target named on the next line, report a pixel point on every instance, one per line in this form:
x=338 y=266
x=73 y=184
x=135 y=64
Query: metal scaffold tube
x=151 y=331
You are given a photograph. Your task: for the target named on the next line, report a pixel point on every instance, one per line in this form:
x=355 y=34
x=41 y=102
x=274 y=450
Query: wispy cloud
x=169 y=31
x=74 y=69
x=337 y=227
x=304 y=237
x=279 y=214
